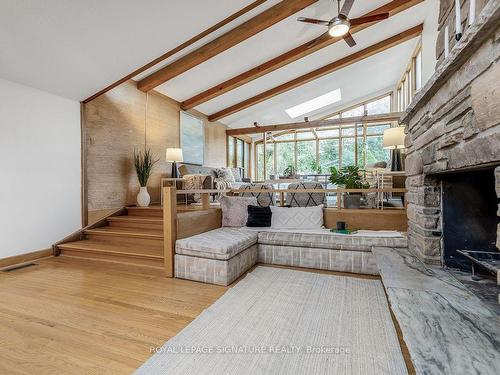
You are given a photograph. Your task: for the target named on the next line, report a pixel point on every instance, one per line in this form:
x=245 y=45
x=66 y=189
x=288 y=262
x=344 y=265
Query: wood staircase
x=134 y=238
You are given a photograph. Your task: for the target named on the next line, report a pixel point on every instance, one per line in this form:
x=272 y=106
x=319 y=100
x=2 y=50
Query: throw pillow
x=259 y=216
x=237 y=174
x=234 y=210
x=297 y=217
x=225 y=174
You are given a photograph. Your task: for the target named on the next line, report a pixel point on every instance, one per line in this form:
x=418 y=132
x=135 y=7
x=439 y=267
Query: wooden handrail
x=338 y=191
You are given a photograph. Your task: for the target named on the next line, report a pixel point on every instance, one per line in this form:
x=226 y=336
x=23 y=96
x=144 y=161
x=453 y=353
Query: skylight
x=314 y=104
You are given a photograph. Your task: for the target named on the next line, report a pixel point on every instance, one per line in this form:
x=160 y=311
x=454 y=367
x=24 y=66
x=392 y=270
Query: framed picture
x=192 y=138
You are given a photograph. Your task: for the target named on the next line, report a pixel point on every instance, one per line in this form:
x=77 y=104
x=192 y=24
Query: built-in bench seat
x=221 y=255
x=322 y=249
x=218 y=256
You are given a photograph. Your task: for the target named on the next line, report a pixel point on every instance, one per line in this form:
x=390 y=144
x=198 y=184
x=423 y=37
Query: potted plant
x=289 y=172
x=143 y=163
x=350 y=178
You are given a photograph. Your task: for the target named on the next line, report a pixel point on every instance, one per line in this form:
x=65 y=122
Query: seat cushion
x=221 y=243
x=325 y=241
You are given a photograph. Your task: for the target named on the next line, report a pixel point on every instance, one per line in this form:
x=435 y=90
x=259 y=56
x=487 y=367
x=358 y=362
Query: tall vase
x=143 y=198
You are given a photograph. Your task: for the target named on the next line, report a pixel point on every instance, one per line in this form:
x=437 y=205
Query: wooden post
x=339 y=200
x=205 y=201
x=169 y=228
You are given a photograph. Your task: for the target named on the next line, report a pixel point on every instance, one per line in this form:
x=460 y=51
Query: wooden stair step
x=152 y=211
x=140 y=222
x=116 y=250
x=127 y=232
x=148 y=263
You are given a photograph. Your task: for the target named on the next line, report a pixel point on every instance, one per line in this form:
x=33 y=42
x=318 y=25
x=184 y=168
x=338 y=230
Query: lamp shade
x=174 y=155
x=394 y=138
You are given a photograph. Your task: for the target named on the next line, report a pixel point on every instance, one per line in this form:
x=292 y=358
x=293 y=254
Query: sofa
x=222 y=255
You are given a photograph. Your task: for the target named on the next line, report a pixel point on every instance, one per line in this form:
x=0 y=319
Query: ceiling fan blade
x=313 y=21
x=317 y=40
x=346 y=8
x=349 y=40
x=375 y=17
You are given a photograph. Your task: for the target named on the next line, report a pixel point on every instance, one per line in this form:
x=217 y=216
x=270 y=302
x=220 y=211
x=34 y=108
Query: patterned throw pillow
x=225 y=174
x=237 y=174
x=297 y=217
x=235 y=210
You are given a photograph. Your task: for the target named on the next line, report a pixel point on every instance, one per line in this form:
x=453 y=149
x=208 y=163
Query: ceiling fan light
x=339 y=27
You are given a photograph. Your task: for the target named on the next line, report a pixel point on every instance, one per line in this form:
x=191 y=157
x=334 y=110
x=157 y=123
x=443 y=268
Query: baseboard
x=23 y=258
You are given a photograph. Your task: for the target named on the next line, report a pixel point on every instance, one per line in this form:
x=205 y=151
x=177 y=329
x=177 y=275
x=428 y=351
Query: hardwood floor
x=77 y=316
x=74 y=316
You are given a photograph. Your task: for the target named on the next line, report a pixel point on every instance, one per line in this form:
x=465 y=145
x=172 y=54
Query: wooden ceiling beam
x=262 y=21
x=386 y=117
x=393 y=7
x=315 y=74
x=179 y=48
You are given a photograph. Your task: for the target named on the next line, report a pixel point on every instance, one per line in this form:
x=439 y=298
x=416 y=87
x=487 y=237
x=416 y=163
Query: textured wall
x=115 y=125
x=453 y=125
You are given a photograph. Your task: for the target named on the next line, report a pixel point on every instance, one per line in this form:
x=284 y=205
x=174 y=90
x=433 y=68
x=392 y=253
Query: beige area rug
x=280 y=321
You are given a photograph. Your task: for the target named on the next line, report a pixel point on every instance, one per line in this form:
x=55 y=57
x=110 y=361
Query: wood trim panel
x=388 y=117
x=196 y=222
x=179 y=48
x=286 y=58
x=262 y=21
x=169 y=228
x=315 y=74
x=367 y=219
x=24 y=258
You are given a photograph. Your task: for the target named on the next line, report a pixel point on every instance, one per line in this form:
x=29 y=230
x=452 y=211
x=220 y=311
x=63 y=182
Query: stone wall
x=453 y=124
x=447 y=18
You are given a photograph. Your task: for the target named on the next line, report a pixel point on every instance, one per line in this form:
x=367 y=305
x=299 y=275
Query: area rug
x=281 y=321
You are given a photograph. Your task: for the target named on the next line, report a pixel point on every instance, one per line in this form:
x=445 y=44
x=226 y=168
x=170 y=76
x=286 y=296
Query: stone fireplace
x=453 y=146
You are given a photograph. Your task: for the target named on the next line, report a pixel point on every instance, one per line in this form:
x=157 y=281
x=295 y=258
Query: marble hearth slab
x=400 y=269
x=447 y=329
x=447 y=333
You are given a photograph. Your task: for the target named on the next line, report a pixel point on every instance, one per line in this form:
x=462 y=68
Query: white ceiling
x=75 y=48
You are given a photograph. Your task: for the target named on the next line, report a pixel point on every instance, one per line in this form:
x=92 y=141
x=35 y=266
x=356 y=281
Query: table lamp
x=174 y=155
x=394 y=139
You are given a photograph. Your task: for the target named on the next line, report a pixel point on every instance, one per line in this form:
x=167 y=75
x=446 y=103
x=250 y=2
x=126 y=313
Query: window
x=231 y=154
x=329 y=133
x=328 y=154
x=306 y=157
x=418 y=71
x=355 y=112
x=411 y=80
x=314 y=104
x=259 y=151
x=238 y=154
x=285 y=156
x=349 y=144
x=305 y=135
x=269 y=160
x=379 y=106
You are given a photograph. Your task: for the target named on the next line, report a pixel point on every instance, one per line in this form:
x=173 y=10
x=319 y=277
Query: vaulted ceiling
x=74 y=49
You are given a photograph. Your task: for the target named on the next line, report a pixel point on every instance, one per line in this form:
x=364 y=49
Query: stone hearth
x=453 y=124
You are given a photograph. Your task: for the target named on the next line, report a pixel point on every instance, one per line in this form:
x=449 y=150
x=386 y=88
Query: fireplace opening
x=469 y=216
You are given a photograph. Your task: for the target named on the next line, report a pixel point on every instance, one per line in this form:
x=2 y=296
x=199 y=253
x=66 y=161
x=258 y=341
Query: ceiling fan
x=340 y=25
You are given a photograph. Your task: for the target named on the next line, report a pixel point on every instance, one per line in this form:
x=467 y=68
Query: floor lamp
x=174 y=155
x=394 y=140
